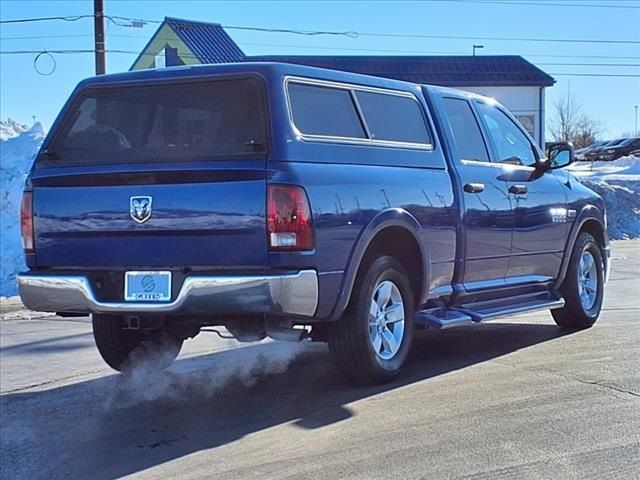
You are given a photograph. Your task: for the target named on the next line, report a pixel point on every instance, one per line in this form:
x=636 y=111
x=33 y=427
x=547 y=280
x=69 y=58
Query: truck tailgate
x=213 y=219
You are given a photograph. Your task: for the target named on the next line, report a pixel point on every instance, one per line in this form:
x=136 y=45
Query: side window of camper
x=394 y=118
x=324 y=111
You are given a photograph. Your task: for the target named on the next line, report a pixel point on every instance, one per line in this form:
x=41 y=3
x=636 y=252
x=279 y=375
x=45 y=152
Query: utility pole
x=98 y=30
x=636 y=107
x=476 y=47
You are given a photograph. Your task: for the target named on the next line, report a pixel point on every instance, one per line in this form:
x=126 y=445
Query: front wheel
x=371 y=341
x=583 y=288
x=124 y=349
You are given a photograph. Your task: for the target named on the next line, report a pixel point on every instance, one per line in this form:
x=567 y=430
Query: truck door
x=539 y=200
x=487 y=214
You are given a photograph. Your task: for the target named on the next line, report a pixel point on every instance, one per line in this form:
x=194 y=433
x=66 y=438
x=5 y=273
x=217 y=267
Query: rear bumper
x=286 y=294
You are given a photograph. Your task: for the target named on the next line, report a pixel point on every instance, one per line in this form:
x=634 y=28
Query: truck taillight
x=289 y=221
x=26 y=222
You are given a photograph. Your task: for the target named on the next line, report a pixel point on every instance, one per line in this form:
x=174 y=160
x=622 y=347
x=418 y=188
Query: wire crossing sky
x=591 y=47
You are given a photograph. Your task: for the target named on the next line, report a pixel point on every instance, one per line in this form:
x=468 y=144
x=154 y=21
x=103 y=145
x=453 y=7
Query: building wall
x=525 y=104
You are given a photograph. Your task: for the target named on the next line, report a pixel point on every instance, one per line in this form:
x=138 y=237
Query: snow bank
x=18 y=146
x=11 y=129
x=618 y=182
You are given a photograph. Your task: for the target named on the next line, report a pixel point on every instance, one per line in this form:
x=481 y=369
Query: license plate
x=147 y=286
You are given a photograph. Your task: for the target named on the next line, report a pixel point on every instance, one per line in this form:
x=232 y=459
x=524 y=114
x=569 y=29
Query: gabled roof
x=208 y=41
x=454 y=71
x=211 y=44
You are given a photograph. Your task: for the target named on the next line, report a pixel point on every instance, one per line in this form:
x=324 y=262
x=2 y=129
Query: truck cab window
x=465 y=129
x=511 y=144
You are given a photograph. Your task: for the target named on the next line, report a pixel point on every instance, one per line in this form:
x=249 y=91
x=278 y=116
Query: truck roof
x=268 y=69
x=457 y=92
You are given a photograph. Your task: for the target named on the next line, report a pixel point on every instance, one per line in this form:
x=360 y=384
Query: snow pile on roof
x=618 y=182
x=18 y=146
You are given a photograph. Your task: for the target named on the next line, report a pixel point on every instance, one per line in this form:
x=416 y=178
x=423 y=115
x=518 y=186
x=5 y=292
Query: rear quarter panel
x=349 y=186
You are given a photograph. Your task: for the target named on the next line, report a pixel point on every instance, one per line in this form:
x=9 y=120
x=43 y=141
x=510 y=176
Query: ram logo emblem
x=140 y=208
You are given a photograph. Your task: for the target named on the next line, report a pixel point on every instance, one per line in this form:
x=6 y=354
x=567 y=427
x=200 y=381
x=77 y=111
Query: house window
x=528 y=122
x=160 y=60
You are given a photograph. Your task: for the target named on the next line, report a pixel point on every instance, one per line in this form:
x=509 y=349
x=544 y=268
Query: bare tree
x=570 y=124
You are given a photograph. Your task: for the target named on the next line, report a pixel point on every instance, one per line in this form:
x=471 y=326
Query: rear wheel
x=583 y=288
x=371 y=342
x=125 y=349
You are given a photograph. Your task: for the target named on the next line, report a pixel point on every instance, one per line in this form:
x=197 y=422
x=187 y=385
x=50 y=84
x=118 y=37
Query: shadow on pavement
x=92 y=429
x=46 y=344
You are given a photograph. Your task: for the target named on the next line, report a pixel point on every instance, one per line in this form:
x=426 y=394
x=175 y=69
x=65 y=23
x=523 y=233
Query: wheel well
x=399 y=243
x=594 y=228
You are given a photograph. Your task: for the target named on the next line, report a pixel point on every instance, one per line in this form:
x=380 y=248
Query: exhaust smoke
x=202 y=376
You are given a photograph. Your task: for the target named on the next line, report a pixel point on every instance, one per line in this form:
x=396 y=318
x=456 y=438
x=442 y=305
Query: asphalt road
x=514 y=398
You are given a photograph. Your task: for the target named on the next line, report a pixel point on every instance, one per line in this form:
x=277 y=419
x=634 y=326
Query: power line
x=62 y=52
x=356 y=49
x=543 y=4
x=621 y=75
x=38 y=37
x=346 y=49
x=116 y=20
x=350 y=33
x=592 y=64
x=46 y=19
x=353 y=49
x=499 y=39
x=636 y=57
x=129 y=52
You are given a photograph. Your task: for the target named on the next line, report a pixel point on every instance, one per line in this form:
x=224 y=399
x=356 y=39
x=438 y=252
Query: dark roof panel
x=211 y=44
x=208 y=41
x=502 y=70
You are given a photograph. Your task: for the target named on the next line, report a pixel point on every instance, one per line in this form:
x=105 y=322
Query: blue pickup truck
x=293 y=202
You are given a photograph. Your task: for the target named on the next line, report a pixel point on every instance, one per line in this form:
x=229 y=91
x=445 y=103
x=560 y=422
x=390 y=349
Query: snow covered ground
x=618 y=182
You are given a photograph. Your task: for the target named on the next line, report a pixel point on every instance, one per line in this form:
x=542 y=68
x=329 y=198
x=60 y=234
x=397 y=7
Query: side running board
x=442 y=318
x=466 y=314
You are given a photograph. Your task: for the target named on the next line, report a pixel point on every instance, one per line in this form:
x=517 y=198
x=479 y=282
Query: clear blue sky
x=24 y=93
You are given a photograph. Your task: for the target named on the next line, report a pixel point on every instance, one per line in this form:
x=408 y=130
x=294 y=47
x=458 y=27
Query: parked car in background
x=594 y=154
x=292 y=202
x=581 y=152
x=620 y=150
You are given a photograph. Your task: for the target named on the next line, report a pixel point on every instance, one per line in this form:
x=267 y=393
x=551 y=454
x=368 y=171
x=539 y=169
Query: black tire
x=349 y=338
x=574 y=314
x=123 y=350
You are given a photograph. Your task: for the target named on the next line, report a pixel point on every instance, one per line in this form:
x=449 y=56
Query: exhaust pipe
x=285 y=333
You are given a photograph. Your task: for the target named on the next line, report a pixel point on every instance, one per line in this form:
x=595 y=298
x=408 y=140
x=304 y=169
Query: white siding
x=521 y=101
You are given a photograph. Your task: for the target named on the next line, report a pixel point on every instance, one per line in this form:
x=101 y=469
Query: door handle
x=474 y=187
x=518 y=189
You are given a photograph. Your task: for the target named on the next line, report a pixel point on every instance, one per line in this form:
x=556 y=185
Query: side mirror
x=559 y=155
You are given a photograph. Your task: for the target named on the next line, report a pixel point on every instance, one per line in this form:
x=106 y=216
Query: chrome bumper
x=288 y=294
